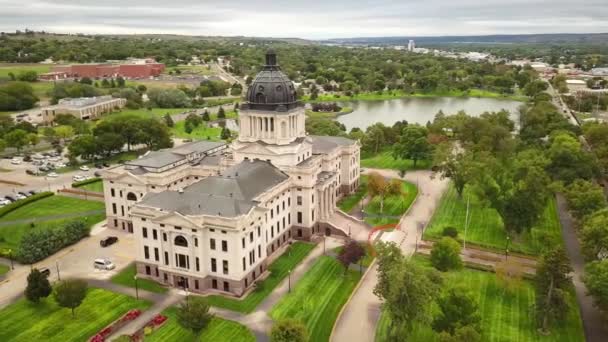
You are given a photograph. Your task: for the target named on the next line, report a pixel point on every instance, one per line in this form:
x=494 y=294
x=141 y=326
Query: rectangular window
x=156 y=256
x=198 y=266
x=251 y=237
x=259 y=251
x=313 y=214
x=244 y=266
x=166 y=258
x=271 y=213
x=299 y=217
x=259 y=232
x=277 y=209
x=112 y=192
x=283 y=205
x=195 y=242
x=148 y=270
x=299 y=200
x=154 y=234
x=114 y=208
x=288 y=201
x=182 y=261
x=283 y=222
x=289 y=218
x=213 y=265
x=196 y=284
x=164 y=236
x=146 y=252
x=243 y=242
x=144 y=232
x=122 y=210
x=225 y=266
x=212 y=244
x=313 y=198
x=214 y=283
x=224 y=246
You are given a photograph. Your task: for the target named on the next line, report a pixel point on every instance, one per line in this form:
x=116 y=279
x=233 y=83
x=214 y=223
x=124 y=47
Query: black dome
x=271 y=89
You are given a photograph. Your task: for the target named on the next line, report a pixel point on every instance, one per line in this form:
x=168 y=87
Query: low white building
x=85 y=108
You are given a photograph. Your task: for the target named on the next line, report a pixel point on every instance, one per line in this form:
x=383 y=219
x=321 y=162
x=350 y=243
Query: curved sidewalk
x=360 y=316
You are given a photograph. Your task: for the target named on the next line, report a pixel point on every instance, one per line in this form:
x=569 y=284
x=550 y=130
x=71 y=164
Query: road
x=228 y=77
x=74 y=261
x=360 y=316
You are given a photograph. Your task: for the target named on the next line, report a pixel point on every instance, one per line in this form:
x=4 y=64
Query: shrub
x=85 y=182
x=39 y=244
x=445 y=254
x=450 y=231
x=18 y=204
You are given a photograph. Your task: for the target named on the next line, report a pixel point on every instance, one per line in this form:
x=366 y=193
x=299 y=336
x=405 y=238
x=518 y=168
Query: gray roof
x=325 y=144
x=157 y=159
x=230 y=194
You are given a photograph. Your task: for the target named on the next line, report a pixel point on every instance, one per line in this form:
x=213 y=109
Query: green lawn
x=53 y=205
x=125 y=278
x=486 y=228
x=347 y=203
x=218 y=330
x=507 y=315
x=46 y=321
x=318 y=297
x=385 y=160
x=279 y=269
x=396 y=94
x=191 y=69
x=395 y=205
x=16 y=68
x=202 y=132
x=95 y=186
x=153 y=112
x=10 y=236
x=4 y=269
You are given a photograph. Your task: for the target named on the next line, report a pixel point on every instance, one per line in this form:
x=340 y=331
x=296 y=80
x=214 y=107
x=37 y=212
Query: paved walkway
x=595 y=328
x=52 y=217
x=358 y=230
x=360 y=316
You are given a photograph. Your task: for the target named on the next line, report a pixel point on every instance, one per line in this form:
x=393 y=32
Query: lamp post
x=136 y=288
x=323 y=244
x=289 y=281
x=349 y=230
x=11 y=257
x=57 y=266
x=507 y=248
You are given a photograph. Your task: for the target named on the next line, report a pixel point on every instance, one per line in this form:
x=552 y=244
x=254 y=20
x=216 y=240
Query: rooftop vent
x=180 y=190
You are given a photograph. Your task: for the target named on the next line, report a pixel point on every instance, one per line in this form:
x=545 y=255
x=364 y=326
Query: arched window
x=260 y=98
x=283 y=129
x=180 y=241
x=131 y=196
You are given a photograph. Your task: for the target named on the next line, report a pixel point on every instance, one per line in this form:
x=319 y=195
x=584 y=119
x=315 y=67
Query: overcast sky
x=313 y=19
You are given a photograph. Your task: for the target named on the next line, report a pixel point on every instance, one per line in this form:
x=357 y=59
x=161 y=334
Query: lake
x=418 y=109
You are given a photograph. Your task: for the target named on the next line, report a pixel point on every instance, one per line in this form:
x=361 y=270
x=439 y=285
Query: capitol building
x=207 y=216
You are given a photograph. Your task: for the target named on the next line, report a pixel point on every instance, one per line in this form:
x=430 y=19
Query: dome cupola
x=271 y=89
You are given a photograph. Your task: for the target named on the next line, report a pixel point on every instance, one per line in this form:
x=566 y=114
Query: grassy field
x=146 y=113
x=46 y=321
x=328 y=115
x=318 y=297
x=4 y=269
x=506 y=315
x=10 y=236
x=95 y=186
x=16 y=68
x=278 y=271
x=486 y=228
x=394 y=205
x=218 y=330
x=347 y=203
x=192 y=69
x=125 y=278
x=396 y=94
x=202 y=132
x=385 y=160
x=53 y=205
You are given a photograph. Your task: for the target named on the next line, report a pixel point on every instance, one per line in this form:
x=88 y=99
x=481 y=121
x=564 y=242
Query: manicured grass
x=328 y=115
x=53 y=205
x=506 y=315
x=486 y=228
x=10 y=236
x=395 y=205
x=347 y=203
x=279 y=269
x=202 y=132
x=385 y=160
x=46 y=321
x=153 y=112
x=16 y=68
x=396 y=94
x=318 y=297
x=4 y=269
x=191 y=69
x=218 y=330
x=95 y=186
x=125 y=278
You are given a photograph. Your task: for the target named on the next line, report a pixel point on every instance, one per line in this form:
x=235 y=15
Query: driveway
x=74 y=261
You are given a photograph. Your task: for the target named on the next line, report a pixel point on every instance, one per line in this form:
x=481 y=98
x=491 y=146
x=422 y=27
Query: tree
x=462 y=334
x=568 y=160
x=378 y=186
x=594 y=236
x=288 y=330
x=193 y=314
x=509 y=273
x=445 y=254
x=221 y=114
x=351 y=253
x=413 y=144
x=86 y=80
x=168 y=120
x=456 y=166
x=2 y=145
x=194 y=120
x=406 y=288
x=33 y=139
x=64 y=132
x=120 y=82
x=584 y=198
x=16 y=138
x=552 y=282
x=206 y=116
x=169 y=98
x=27 y=76
x=374 y=138
x=38 y=286
x=226 y=134
x=596 y=280
x=188 y=127
x=457 y=308
x=70 y=293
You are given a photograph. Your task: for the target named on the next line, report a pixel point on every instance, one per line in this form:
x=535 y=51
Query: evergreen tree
x=221 y=114
x=38 y=286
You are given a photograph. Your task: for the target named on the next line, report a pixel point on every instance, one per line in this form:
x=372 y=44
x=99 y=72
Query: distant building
x=53 y=76
x=411 y=45
x=136 y=68
x=85 y=108
x=599 y=72
x=576 y=85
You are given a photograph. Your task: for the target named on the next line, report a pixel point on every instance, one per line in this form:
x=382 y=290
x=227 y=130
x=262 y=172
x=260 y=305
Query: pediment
x=176 y=219
x=254 y=148
x=126 y=177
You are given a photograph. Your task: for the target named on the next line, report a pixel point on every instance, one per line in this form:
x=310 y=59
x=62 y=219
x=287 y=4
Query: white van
x=104 y=264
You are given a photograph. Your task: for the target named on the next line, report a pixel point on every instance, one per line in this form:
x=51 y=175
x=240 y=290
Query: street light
x=349 y=230
x=323 y=244
x=57 y=266
x=136 y=288
x=11 y=257
x=507 y=248
x=289 y=280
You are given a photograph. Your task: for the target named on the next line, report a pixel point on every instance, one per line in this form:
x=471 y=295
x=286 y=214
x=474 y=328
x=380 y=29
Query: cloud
x=314 y=19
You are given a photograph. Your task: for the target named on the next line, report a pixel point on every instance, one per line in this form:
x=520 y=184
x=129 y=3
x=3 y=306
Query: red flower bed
x=117 y=324
x=158 y=320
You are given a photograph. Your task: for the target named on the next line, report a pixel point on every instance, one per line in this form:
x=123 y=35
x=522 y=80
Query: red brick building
x=134 y=70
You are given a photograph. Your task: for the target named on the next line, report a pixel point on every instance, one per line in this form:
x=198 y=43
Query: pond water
x=418 y=110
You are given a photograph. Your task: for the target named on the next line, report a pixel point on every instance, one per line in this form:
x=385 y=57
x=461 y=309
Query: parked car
x=97 y=174
x=110 y=240
x=78 y=178
x=84 y=168
x=106 y=164
x=10 y=198
x=103 y=264
x=98 y=166
x=45 y=271
x=50 y=166
x=55 y=159
x=44 y=169
x=37 y=156
x=27 y=158
x=32 y=172
x=32 y=192
x=23 y=193
x=19 y=197
x=37 y=162
x=4 y=201
x=52 y=174
x=15 y=161
x=60 y=165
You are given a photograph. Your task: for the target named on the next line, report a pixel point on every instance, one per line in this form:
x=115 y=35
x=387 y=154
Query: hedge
x=20 y=203
x=39 y=244
x=85 y=182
